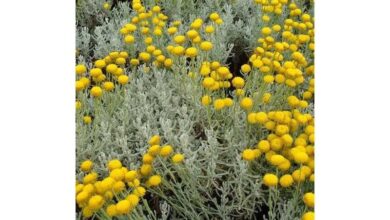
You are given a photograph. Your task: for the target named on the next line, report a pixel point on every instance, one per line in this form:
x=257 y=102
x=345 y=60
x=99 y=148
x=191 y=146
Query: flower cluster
x=121 y=190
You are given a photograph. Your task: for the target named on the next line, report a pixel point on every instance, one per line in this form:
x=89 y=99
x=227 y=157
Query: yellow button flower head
x=78 y=105
x=117 y=174
x=106 y=6
x=139 y=191
x=266 y=31
x=300 y=157
x=214 y=16
x=248 y=155
x=246 y=103
x=286 y=180
x=228 y=102
x=308 y=199
x=111 y=210
x=252 y=118
x=154 y=180
x=238 y=82
x=219 y=104
x=266 y=97
x=108 y=86
x=192 y=34
x=206 y=100
x=95 y=202
x=208 y=82
x=147 y=159
x=180 y=39
x=90 y=178
x=178 y=50
x=144 y=56
x=264 y=146
x=223 y=71
x=79 y=85
x=191 y=52
x=178 y=158
x=146 y=169
x=245 y=68
x=268 y=79
x=96 y=91
x=131 y=175
x=133 y=199
x=277 y=159
x=154 y=150
x=95 y=72
x=168 y=63
x=154 y=140
x=114 y=164
x=87 y=212
x=206 y=45
x=81 y=69
x=308 y=216
x=209 y=29
x=123 y=79
x=270 y=179
x=87 y=119
x=123 y=206
x=166 y=150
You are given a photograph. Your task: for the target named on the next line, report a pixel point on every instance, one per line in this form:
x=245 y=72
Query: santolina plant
x=195 y=110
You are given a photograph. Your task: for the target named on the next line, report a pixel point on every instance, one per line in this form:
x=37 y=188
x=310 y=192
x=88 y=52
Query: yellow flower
x=146 y=169
x=166 y=150
x=191 y=52
x=134 y=62
x=209 y=29
x=95 y=72
x=219 y=104
x=219 y=21
x=308 y=216
x=154 y=150
x=206 y=100
x=108 y=86
x=154 y=180
x=248 y=155
x=131 y=175
x=114 y=164
x=300 y=157
x=111 y=68
x=78 y=105
x=129 y=39
x=206 y=45
x=266 y=31
x=177 y=158
x=168 y=63
x=154 y=140
x=286 y=180
x=123 y=79
x=147 y=159
x=96 y=91
x=133 y=199
x=106 y=6
x=81 y=69
x=208 y=82
x=178 y=50
x=117 y=174
x=264 y=146
x=214 y=16
x=192 y=34
x=123 y=207
x=239 y=92
x=180 y=39
x=252 y=118
x=308 y=199
x=245 y=68
x=246 y=103
x=261 y=117
x=277 y=159
x=223 y=71
x=79 y=85
x=270 y=179
x=87 y=212
x=238 y=82
x=87 y=119
x=144 y=56
x=111 y=210
x=90 y=178
x=95 y=202
x=228 y=102
x=139 y=191
x=118 y=186
x=268 y=79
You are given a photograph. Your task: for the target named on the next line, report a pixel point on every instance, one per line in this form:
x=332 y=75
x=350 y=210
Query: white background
x=37 y=129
